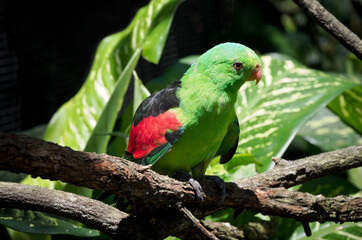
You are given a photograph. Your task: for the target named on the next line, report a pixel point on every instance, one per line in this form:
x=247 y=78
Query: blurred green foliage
x=286 y=114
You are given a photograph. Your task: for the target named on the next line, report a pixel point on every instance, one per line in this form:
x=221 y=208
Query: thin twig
x=196 y=222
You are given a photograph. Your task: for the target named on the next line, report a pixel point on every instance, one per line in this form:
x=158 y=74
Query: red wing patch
x=150 y=133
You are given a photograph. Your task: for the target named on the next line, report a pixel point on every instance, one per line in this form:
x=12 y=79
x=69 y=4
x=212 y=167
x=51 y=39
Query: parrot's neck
x=200 y=98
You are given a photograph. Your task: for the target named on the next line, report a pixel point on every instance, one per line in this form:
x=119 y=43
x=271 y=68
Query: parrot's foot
x=221 y=184
x=186 y=176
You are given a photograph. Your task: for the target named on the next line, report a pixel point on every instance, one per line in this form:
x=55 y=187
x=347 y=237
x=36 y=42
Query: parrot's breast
x=199 y=142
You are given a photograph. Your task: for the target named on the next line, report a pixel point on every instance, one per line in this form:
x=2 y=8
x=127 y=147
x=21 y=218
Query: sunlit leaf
x=354 y=176
x=86 y=121
x=327 y=131
x=140 y=92
x=172 y=238
x=271 y=113
x=118 y=144
x=41 y=223
x=349 y=107
x=99 y=138
x=73 y=124
x=240 y=166
x=160 y=24
x=58 y=185
x=329 y=231
x=241 y=159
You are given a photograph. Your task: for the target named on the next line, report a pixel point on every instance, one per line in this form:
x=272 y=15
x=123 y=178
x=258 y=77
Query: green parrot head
x=229 y=65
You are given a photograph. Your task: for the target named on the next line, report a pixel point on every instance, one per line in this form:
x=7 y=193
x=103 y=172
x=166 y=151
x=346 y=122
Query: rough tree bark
x=173 y=202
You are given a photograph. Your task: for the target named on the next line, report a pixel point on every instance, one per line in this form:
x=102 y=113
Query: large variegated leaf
x=99 y=138
x=330 y=230
x=271 y=113
x=349 y=107
x=328 y=132
x=73 y=124
x=118 y=144
x=241 y=166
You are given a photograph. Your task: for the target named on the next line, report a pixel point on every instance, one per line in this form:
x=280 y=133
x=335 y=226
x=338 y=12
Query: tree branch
x=290 y=173
x=331 y=24
x=303 y=206
x=105 y=218
x=152 y=194
x=20 y=153
x=91 y=212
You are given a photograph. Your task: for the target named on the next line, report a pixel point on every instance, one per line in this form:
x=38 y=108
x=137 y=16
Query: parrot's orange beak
x=256 y=74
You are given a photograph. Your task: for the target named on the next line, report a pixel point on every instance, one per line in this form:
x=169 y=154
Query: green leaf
x=37 y=131
x=289 y=94
x=158 y=31
x=58 y=185
x=99 y=138
x=74 y=123
x=225 y=215
x=240 y=166
x=41 y=223
x=6 y=176
x=118 y=143
x=140 y=92
x=329 y=186
x=349 y=107
x=354 y=176
x=172 y=238
x=230 y=215
x=15 y=235
x=328 y=132
x=286 y=227
x=329 y=231
x=241 y=159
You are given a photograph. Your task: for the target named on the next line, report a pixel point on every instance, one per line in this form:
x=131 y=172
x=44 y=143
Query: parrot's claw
x=182 y=175
x=186 y=176
x=197 y=187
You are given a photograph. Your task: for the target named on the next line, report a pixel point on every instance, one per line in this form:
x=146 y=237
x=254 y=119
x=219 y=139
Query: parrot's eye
x=238 y=66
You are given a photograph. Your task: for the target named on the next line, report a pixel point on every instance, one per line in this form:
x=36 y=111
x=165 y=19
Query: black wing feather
x=230 y=142
x=158 y=103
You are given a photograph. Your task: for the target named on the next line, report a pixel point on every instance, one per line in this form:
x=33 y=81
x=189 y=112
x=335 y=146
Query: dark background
x=47 y=47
